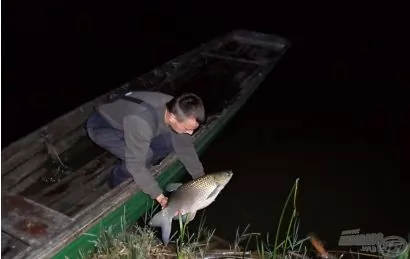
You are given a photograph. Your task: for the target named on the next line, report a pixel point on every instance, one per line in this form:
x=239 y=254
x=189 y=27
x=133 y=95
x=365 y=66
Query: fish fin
x=215 y=192
x=161 y=219
x=191 y=216
x=172 y=187
x=185 y=217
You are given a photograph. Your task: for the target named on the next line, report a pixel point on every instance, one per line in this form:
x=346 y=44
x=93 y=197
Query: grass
x=140 y=241
x=136 y=242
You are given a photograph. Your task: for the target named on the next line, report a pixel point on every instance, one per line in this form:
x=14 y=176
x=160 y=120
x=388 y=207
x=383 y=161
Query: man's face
x=187 y=126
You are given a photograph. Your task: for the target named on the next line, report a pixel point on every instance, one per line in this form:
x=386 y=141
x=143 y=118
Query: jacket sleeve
x=186 y=152
x=137 y=136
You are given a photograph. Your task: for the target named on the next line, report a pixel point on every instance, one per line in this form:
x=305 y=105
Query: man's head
x=185 y=113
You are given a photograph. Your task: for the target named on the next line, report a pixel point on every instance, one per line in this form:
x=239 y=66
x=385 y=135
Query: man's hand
x=161 y=199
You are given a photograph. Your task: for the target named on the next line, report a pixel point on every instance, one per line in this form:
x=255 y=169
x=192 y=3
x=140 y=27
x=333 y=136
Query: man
x=141 y=128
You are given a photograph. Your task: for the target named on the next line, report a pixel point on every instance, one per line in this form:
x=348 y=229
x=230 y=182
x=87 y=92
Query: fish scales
x=196 y=191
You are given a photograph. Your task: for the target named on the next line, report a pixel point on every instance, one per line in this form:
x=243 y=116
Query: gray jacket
x=139 y=126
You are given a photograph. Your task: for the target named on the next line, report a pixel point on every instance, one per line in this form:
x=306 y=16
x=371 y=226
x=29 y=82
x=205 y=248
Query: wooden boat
x=54 y=193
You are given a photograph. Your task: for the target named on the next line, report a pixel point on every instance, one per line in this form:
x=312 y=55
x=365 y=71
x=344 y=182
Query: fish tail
x=162 y=219
x=156 y=219
x=166 y=231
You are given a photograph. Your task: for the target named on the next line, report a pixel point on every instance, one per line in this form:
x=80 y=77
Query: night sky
x=333 y=112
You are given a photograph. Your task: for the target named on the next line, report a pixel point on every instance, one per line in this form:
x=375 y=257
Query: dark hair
x=187 y=105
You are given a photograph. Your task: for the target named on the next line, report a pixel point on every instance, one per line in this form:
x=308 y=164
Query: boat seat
x=31 y=222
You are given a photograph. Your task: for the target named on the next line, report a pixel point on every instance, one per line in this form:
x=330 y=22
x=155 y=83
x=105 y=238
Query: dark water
x=350 y=167
x=333 y=113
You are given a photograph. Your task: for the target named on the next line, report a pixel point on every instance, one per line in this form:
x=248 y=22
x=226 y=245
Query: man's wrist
x=159 y=197
x=155 y=191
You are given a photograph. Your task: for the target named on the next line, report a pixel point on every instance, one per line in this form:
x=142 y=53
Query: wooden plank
x=255 y=49
x=29 y=145
x=11 y=246
x=27 y=177
x=68 y=122
x=263 y=39
x=34 y=152
x=95 y=194
x=81 y=153
x=256 y=62
x=245 y=53
x=28 y=181
x=29 y=221
x=65 y=143
x=72 y=182
x=77 y=200
x=12 y=157
x=80 y=188
x=217 y=82
x=41 y=159
x=14 y=176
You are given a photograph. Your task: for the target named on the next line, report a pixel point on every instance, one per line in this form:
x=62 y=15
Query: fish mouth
x=228 y=172
x=223 y=177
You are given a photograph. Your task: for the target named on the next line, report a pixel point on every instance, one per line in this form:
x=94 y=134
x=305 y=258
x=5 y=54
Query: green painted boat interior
x=55 y=198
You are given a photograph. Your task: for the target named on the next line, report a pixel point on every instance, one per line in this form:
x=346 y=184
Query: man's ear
x=172 y=117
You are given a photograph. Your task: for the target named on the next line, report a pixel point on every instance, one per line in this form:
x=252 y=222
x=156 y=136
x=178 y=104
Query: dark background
x=333 y=112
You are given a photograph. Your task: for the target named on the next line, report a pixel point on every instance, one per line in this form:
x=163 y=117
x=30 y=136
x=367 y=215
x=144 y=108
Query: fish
x=188 y=198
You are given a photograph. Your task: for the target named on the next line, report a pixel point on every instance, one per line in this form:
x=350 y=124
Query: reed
x=291 y=245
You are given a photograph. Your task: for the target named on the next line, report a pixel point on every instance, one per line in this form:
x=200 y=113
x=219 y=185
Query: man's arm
x=185 y=151
x=137 y=136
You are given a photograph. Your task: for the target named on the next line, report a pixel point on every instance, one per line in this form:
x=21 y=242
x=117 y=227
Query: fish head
x=223 y=177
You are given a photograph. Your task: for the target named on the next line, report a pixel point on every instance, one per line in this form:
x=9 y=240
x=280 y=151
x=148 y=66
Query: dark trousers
x=111 y=139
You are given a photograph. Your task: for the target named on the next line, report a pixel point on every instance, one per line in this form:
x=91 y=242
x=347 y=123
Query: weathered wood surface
x=30 y=222
x=246 y=51
x=11 y=246
x=219 y=72
x=56 y=133
x=28 y=178
x=80 y=189
x=74 y=183
x=93 y=195
x=47 y=159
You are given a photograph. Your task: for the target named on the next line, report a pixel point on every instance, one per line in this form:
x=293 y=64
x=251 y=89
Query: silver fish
x=186 y=199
